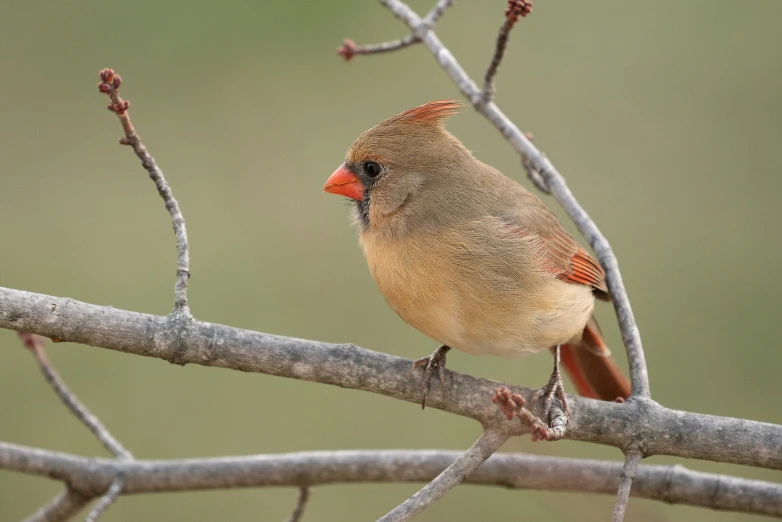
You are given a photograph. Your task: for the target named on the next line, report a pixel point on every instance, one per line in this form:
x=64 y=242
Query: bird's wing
x=562 y=255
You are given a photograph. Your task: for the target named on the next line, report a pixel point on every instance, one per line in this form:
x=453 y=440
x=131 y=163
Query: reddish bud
x=104 y=88
x=117 y=81
x=518 y=8
x=107 y=75
x=347 y=50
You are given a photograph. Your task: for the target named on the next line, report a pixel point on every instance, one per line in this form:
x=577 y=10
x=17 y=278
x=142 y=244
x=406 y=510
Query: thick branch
x=555 y=183
x=663 y=431
x=671 y=484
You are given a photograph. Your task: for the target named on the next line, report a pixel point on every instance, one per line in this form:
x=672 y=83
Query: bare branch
x=105 y=501
x=490 y=441
x=298 y=511
x=516 y=8
x=665 y=431
x=671 y=484
x=109 y=84
x=437 y=11
x=554 y=182
x=632 y=458
x=35 y=344
x=349 y=49
x=62 y=507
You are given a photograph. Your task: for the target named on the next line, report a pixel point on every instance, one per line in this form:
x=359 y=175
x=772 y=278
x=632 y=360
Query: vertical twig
x=298 y=511
x=105 y=501
x=516 y=9
x=109 y=84
x=490 y=441
x=632 y=458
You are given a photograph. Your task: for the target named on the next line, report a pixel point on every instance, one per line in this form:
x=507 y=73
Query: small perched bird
x=471 y=258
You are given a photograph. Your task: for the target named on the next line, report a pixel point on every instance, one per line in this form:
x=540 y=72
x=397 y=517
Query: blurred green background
x=664 y=117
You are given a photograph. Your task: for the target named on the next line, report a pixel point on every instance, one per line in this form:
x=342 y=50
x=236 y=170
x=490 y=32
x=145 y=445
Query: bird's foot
x=434 y=361
x=554 y=388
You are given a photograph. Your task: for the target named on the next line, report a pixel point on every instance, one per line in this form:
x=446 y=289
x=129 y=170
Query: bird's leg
x=436 y=360
x=554 y=387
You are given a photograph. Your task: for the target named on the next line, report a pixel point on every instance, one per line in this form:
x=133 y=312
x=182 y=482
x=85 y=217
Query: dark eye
x=372 y=169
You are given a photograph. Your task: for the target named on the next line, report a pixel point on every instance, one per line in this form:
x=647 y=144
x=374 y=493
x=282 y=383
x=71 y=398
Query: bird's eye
x=372 y=169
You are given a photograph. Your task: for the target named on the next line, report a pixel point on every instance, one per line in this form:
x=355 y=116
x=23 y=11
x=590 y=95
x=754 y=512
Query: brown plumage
x=468 y=256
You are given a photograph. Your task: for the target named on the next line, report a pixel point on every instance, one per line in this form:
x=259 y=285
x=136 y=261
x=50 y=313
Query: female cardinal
x=471 y=258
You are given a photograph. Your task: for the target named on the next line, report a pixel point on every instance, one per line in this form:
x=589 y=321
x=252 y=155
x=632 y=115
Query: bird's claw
x=430 y=363
x=554 y=388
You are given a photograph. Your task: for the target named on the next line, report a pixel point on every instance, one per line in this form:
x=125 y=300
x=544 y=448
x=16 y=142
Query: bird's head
x=395 y=172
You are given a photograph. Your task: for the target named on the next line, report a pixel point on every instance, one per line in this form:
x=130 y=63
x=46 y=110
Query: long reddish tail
x=591 y=368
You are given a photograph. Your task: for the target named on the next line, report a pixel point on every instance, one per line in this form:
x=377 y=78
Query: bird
x=472 y=259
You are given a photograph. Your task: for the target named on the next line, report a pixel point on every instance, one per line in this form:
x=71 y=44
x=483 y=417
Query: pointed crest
x=432 y=112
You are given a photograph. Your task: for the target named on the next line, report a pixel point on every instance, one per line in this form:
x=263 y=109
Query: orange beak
x=344 y=183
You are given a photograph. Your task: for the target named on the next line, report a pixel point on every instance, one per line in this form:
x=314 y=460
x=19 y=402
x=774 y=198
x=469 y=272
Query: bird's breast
x=472 y=298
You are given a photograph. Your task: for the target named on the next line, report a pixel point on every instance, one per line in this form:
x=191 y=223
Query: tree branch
x=34 y=343
x=490 y=441
x=62 y=507
x=632 y=458
x=516 y=8
x=108 y=498
x=109 y=84
x=349 y=49
x=670 y=484
x=664 y=431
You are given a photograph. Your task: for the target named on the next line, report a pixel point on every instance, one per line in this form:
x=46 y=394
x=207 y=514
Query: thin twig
x=670 y=484
x=298 y=511
x=349 y=49
x=105 y=501
x=109 y=84
x=555 y=183
x=664 y=431
x=632 y=458
x=64 y=506
x=35 y=344
x=437 y=11
x=490 y=441
x=516 y=9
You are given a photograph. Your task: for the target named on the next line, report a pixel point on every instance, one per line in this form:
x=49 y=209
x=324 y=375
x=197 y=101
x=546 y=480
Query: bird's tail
x=591 y=368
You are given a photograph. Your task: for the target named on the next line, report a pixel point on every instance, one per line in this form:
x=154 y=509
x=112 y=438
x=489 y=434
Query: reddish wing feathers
x=566 y=259
x=571 y=263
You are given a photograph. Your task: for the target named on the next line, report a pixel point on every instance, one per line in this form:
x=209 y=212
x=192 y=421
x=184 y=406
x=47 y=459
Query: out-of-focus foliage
x=663 y=116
